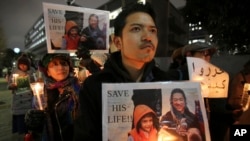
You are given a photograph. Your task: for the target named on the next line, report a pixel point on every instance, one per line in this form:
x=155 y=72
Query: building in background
x=173 y=31
x=35 y=38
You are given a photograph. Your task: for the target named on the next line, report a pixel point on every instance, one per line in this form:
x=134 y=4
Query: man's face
x=178 y=102
x=139 y=41
x=147 y=123
x=93 y=22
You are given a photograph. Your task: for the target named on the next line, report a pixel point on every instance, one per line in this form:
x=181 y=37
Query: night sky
x=17 y=16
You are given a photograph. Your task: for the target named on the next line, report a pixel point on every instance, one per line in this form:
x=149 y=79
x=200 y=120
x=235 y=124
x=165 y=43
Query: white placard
x=58 y=17
x=214 y=81
x=120 y=99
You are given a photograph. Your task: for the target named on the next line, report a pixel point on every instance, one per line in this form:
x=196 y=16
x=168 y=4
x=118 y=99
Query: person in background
x=177 y=59
x=236 y=90
x=180 y=117
x=56 y=122
x=146 y=124
x=136 y=39
x=92 y=37
x=235 y=97
x=218 y=115
x=199 y=50
x=21 y=93
x=71 y=37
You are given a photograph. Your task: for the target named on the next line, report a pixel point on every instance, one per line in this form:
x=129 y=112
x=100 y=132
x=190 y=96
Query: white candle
x=37 y=88
x=14 y=79
x=245 y=101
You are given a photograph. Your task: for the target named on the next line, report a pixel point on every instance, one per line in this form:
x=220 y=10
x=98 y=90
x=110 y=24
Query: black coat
x=59 y=117
x=89 y=126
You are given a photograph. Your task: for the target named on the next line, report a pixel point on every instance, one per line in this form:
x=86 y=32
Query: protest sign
x=65 y=27
x=121 y=100
x=214 y=81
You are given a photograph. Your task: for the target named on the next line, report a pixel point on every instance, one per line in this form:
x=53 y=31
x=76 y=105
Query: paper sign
x=120 y=101
x=66 y=25
x=214 y=81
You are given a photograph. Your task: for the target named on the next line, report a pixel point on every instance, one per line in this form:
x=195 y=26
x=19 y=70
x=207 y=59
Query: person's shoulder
x=17 y=71
x=237 y=79
x=168 y=75
x=85 y=29
x=32 y=69
x=99 y=77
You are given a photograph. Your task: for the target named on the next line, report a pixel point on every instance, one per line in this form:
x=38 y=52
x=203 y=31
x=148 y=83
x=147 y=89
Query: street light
x=16 y=50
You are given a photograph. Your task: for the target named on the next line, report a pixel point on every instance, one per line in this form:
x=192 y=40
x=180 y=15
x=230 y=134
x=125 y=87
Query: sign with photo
x=70 y=27
x=214 y=81
x=156 y=111
x=23 y=84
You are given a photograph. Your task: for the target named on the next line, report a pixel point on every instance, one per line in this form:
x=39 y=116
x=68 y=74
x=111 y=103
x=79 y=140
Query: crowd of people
x=73 y=110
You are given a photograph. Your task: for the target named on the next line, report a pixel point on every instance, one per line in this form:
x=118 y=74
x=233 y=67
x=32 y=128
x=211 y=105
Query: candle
x=245 y=101
x=37 y=89
x=14 y=78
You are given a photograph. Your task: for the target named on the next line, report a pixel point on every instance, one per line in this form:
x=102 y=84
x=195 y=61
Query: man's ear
x=117 y=42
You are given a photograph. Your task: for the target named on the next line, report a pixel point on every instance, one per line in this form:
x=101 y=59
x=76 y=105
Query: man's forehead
x=139 y=16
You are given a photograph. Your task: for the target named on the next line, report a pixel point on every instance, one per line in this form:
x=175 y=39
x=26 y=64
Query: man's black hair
x=120 y=20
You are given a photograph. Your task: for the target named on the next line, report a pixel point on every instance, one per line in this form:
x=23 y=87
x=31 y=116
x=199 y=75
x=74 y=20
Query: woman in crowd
x=61 y=90
x=21 y=93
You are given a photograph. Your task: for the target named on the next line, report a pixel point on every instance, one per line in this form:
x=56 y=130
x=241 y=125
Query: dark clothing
x=96 y=38
x=175 y=121
x=89 y=126
x=191 y=119
x=18 y=124
x=181 y=72
x=61 y=112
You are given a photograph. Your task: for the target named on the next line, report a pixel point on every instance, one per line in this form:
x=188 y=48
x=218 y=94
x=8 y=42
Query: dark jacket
x=95 y=38
x=181 y=73
x=89 y=126
x=61 y=110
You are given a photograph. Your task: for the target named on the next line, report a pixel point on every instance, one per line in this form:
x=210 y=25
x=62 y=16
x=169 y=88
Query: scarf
x=69 y=87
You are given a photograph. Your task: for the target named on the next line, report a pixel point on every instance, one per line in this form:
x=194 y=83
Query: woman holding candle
x=61 y=92
x=21 y=93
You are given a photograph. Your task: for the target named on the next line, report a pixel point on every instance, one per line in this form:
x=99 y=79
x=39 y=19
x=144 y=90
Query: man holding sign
x=136 y=39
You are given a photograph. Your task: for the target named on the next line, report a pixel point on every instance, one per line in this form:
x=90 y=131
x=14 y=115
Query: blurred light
x=16 y=50
x=114 y=13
